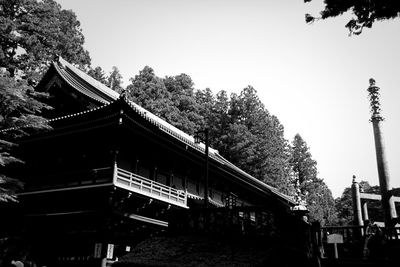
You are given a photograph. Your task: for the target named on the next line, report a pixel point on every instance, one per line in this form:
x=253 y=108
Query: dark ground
x=204 y=250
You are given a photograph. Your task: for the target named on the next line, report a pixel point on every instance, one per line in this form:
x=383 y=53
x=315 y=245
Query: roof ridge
x=90 y=80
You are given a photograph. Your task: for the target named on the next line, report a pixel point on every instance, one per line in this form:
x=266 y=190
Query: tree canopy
x=114 y=80
x=171 y=98
x=311 y=189
x=98 y=74
x=33 y=32
x=366 y=12
x=19 y=116
x=240 y=127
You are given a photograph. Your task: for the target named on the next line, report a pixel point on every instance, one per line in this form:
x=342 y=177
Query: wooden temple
x=110 y=173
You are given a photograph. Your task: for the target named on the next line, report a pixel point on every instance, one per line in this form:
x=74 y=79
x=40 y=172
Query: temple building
x=110 y=172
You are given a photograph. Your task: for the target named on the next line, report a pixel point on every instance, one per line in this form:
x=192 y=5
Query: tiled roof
x=92 y=88
x=84 y=83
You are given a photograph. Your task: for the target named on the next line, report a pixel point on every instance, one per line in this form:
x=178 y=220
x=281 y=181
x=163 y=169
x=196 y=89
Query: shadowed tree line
x=241 y=128
x=32 y=33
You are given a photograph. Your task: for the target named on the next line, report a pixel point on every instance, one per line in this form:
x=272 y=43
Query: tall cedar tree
x=254 y=140
x=240 y=127
x=366 y=12
x=312 y=190
x=149 y=91
x=19 y=116
x=182 y=94
x=171 y=98
x=114 y=80
x=33 y=32
x=98 y=74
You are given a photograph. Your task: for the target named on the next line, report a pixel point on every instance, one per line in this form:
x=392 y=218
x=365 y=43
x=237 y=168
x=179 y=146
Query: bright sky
x=312 y=77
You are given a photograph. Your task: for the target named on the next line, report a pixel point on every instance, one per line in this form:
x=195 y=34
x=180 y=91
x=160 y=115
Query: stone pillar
x=355 y=190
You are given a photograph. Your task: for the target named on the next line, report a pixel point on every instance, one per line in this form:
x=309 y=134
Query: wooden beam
x=143 y=219
x=64 y=189
x=376 y=197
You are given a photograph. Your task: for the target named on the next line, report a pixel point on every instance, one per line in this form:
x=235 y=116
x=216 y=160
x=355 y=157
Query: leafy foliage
x=33 y=32
x=320 y=202
x=171 y=98
x=185 y=114
x=344 y=207
x=19 y=116
x=304 y=167
x=258 y=144
x=98 y=74
x=366 y=12
x=311 y=189
x=344 y=204
x=114 y=80
x=240 y=127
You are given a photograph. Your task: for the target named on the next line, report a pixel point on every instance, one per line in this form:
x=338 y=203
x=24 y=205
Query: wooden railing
x=141 y=185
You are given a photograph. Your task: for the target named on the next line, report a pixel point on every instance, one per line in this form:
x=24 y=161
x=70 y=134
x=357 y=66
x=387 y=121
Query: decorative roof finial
x=371 y=82
x=373 y=93
x=354 y=179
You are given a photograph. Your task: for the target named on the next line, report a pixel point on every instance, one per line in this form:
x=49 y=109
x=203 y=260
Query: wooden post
x=206 y=187
x=335 y=239
x=384 y=181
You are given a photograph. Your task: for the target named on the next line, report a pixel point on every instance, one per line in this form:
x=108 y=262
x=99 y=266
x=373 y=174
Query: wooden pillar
x=355 y=189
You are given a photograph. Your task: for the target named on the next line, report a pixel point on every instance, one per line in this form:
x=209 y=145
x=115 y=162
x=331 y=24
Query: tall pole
x=384 y=181
x=206 y=169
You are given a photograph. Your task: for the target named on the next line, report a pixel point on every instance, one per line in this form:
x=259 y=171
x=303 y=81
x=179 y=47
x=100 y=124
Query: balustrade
x=147 y=187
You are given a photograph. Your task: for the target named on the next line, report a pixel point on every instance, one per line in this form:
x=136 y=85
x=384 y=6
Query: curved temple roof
x=99 y=92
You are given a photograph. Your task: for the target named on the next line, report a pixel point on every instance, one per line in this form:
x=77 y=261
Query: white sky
x=312 y=77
